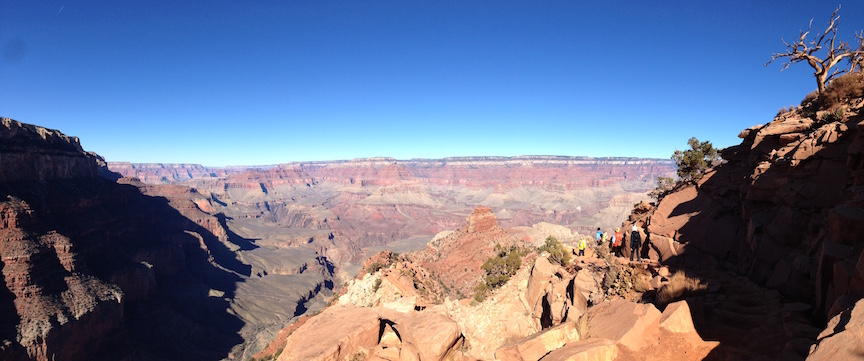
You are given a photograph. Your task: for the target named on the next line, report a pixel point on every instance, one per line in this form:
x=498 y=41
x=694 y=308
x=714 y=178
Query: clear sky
x=265 y=82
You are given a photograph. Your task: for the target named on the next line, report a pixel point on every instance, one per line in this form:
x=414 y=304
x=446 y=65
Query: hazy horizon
x=385 y=158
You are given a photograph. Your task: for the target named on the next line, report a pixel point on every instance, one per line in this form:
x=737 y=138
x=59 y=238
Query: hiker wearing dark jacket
x=635 y=244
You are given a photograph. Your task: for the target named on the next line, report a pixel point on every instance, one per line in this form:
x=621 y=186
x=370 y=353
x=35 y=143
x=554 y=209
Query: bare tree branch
x=802 y=50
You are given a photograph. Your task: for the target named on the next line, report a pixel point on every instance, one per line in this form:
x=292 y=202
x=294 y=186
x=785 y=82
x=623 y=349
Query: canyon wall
x=98 y=269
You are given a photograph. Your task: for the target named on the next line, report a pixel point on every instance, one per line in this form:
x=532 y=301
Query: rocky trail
x=749 y=321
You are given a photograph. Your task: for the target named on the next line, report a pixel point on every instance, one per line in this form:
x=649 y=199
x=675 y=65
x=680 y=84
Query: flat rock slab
x=592 y=349
x=335 y=334
x=627 y=323
x=843 y=338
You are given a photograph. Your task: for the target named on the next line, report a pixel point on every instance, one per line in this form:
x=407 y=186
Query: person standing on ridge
x=635 y=244
x=612 y=241
x=582 y=247
x=619 y=241
x=598 y=237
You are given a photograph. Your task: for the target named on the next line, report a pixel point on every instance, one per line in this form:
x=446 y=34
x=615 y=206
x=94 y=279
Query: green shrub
x=837 y=114
x=377 y=285
x=664 y=187
x=374 y=267
x=692 y=163
x=557 y=253
x=499 y=268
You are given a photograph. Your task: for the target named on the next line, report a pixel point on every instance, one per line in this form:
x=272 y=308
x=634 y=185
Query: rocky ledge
x=33 y=153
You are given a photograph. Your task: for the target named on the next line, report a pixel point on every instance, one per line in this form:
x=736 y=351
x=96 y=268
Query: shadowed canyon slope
x=98 y=269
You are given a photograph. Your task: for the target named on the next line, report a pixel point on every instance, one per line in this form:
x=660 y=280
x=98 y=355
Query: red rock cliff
x=31 y=153
x=93 y=269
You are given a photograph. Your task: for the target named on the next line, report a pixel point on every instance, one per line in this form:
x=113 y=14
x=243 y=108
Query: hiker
x=619 y=241
x=605 y=237
x=612 y=242
x=598 y=237
x=635 y=244
x=582 y=247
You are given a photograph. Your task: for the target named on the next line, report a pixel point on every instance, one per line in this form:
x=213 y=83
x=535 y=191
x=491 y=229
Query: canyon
x=136 y=262
x=347 y=210
x=758 y=258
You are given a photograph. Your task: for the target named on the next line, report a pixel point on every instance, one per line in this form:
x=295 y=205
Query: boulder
x=435 y=336
x=842 y=338
x=592 y=349
x=534 y=347
x=335 y=334
x=403 y=304
x=676 y=318
x=624 y=322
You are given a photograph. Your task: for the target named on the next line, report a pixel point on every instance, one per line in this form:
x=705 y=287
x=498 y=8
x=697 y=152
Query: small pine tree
x=692 y=163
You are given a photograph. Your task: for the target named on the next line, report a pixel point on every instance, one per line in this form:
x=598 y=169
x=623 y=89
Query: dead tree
x=824 y=68
x=856 y=61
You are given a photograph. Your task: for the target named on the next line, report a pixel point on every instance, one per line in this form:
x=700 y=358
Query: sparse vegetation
x=374 y=267
x=621 y=280
x=268 y=357
x=836 y=114
x=557 y=252
x=499 y=269
x=678 y=287
x=841 y=90
x=582 y=327
x=664 y=187
x=377 y=285
x=692 y=163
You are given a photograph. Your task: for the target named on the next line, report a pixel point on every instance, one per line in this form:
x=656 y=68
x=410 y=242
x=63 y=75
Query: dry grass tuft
x=678 y=287
x=841 y=90
x=582 y=327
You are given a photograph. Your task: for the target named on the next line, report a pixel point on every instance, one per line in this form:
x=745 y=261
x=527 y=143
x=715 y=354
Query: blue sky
x=265 y=82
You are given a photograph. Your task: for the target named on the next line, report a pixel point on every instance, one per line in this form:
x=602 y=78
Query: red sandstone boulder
x=626 y=323
x=336 y=334
x=592 y=349
x=433 y=335
x=676 y=318
x=550 y=296
x=843 y=338
x=535 y=347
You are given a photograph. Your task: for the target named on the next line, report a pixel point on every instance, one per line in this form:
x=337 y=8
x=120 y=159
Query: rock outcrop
x=360 y=333
x=841 y=339
x=457 y=258
x=786 y=209
x=31 y=153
